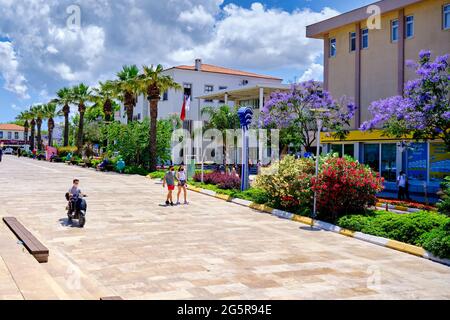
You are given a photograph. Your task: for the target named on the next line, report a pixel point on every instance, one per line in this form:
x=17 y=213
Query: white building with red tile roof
x=12 y=135
x=198 y=80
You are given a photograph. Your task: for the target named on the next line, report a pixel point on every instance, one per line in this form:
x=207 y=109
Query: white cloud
x=9 y=70
x=259 y=38
x=196 y=16
x=314 y=72
x=114 y=33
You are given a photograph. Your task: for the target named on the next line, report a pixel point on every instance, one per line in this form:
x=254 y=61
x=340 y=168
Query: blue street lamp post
x=245 y=116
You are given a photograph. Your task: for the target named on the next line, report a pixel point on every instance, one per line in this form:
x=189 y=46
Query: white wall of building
x=12 y=135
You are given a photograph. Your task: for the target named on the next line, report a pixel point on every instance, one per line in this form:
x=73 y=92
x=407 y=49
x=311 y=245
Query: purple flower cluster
x=296 y=107
x=424 y=109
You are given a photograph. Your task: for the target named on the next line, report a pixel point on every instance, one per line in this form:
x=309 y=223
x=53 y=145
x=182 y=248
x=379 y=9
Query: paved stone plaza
x=134 y=248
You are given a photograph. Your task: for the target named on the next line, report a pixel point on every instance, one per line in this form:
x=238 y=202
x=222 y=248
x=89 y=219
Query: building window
x=409 y=26
x=165 y=95
x=16 y=136
x=187 y=90
x=9 y=135
x=333 y=47
x=336 y=148
x=209 y=89
x=352 y=41
x=365 y=38
x=389 y=162
x=439 y=162
x=1 y=134
x=394 y=30
x=417 y=156
x=349 y=150
x=372 y=156
x=446 y=17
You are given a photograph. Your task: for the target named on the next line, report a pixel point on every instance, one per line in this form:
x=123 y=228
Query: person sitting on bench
x=103 y=164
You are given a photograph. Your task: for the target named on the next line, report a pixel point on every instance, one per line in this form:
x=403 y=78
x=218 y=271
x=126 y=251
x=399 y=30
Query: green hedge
x=423 y=228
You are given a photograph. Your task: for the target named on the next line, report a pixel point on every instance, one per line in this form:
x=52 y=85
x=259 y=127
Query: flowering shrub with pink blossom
x=221 y=180
x=424 y=110
x=345 y=186
x=294 y=110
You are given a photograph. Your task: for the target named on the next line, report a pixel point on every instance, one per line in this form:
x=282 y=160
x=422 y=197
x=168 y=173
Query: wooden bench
x=33 y=245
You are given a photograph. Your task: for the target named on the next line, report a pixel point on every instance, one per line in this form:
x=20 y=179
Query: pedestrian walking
x=401 y=184
x=1 y=154
x=169 y=180
x=182 y=184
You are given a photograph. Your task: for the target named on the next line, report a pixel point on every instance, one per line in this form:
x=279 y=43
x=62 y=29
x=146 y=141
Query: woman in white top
x=182 y=184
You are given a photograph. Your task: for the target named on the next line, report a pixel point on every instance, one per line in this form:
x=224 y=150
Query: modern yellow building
x=365 y=55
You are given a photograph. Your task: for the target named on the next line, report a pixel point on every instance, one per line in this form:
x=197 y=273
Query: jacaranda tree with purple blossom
x=292 y=111
x=423 y=112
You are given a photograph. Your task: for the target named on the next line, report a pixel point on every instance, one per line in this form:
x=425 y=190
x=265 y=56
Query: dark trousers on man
x=401 y=193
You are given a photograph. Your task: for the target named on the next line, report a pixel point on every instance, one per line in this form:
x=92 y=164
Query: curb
x=387 y=243
x=398 y=208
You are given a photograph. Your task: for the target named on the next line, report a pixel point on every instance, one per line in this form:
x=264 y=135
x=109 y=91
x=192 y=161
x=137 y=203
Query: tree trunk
x=26 y=126
x=153 y=132
x=107 y=110
x=39 y=135
x=80 y=129
x=129 y=106
x=66 y=111
x=33 y=127
x=51 y=126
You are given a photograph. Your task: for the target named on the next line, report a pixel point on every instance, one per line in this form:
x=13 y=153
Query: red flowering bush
x=221 y=180
x=345 y=186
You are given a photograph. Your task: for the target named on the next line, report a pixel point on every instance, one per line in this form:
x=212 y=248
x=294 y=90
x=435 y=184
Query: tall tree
x=38 y=112
x=25 y=117
x=295 y=110
x=80 y=95
x=64 y=99
x=127 y=87
x=423 y=111
x=152 y=82
x=50 y=112
x=103 y=98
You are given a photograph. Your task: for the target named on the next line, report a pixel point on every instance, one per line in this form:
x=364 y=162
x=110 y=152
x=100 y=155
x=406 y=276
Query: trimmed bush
x=222 y=181
x=444 y=204
x=136 y=170
x=427 y=229
x=287 y=183
x=345 y=186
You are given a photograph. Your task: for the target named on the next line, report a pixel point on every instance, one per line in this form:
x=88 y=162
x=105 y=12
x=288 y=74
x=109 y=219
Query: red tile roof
x=222 y=70
x=11 y=127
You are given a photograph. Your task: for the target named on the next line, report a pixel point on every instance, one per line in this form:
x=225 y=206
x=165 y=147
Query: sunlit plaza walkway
x=134 y=248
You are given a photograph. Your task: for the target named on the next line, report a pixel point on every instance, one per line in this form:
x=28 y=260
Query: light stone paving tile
x=211 y=249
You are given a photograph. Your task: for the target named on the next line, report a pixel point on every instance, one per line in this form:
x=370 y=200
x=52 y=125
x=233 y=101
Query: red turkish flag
x=183 y=110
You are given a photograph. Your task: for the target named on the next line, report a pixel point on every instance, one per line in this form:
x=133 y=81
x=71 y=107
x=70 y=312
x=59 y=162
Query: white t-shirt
x=401 y=181
x=181 y=175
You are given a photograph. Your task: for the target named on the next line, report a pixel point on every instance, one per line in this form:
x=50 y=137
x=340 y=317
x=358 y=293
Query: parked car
x=8 y=151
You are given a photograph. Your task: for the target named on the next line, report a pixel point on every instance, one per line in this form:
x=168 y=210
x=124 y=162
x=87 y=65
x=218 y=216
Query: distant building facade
x=12 y=135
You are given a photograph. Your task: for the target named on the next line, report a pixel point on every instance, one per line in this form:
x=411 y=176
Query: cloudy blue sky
x=40 y=52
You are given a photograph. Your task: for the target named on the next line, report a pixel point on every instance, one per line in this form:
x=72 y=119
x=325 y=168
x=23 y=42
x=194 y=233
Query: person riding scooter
x=77 y=205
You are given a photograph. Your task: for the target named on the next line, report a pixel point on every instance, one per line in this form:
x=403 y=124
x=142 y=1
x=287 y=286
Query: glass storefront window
x=336 y=148
x=372 y=156
x=389 y=162
x=417 y=162
x=349 y=150
x=439 y=162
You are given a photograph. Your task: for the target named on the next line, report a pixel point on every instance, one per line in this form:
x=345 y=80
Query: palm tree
x=50 y=113
x=127 y=87
x=104 y=97
x=64 y=99
x=32 y=116
x=80 y=95
x=152 y=82
x=221 y=118
x=38 y=115
x=26 y=117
